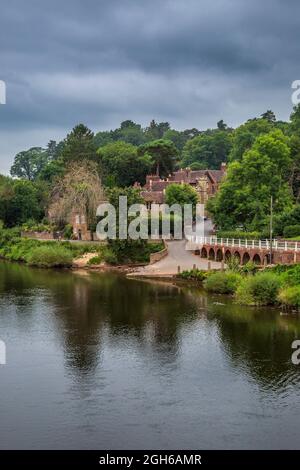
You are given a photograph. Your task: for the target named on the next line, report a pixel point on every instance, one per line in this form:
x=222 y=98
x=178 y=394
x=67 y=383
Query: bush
x=242 y=235
x=261 y=289
x=223 y=282
x=110 y=257
x=95 y=260
x=50 y=256
x=249 y=268
x=290 y=296
x=291 y=276
x=193 y=275
x=291 y=231
x=155 y=247
x=233 y=264
x=68 y=231
x=104 y=254
x=32 y=226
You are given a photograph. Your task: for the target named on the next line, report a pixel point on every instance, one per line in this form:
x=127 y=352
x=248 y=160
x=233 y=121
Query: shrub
x=233 y=264
x=50 y=256
x=193 y=275
x=249 y=268
x=291 y=231
x=223 y=282
x=33 y=226
x=155 y=247
x=110 y=257
x=68 y=231
x=290 y=296
x=261 y=289
x=291 y=276
x=95 y=260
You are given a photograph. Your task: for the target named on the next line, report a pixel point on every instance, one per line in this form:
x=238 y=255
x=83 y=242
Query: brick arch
x=227 y=255
x=256 y=258
x=246 y=258
x=211 y=254
x=219 y=255
x=203 y=253
x=236 y=254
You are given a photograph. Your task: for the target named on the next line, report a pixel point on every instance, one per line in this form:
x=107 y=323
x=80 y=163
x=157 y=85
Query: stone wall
x=38 y=235
x=154 y=257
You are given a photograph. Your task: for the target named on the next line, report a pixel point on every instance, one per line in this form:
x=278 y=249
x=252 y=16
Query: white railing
x=240 y=243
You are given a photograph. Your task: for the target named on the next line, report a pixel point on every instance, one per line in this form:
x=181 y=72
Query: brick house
x=205 y=182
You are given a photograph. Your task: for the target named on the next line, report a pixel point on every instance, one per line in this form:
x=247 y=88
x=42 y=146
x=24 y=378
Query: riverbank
x=67 y=254
x=272 y=286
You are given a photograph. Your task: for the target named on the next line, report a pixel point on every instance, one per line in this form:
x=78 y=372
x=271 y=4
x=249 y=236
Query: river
x=98 y=361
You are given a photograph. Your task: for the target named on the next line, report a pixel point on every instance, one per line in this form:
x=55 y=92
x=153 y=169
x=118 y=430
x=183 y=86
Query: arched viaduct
x=222 y=253
x=257 y=251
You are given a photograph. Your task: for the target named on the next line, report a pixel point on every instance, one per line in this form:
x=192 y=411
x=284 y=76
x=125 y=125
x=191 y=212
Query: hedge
x=291 y=231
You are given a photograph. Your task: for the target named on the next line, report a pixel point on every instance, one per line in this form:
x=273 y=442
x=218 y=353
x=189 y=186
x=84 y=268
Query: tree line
x=263 y=156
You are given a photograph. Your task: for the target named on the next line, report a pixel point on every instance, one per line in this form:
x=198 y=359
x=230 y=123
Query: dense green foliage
x=181 y=194
x=222 y=282
x=193 y=275
x=238 y=234
x=278 y=285
x=121 y=165
x=290 y=296
x=208 y=150
x=79 y=145
x=50 y=257
x=128 y=250
x=291 y=231
x=21 y=200
x=244 y=197
x=163 y=154
x=261 y=289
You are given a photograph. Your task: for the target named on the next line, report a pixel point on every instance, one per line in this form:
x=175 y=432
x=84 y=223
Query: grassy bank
x=61 y=254
x=279 y=285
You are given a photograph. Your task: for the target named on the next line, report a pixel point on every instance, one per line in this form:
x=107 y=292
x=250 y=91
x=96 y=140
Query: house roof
x=153 y=196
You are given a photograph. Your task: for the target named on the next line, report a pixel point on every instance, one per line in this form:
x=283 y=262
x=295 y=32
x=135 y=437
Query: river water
x=98 y=361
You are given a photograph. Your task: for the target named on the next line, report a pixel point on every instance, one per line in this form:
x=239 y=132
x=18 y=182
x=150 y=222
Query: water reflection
x=88 y=306
x=170 y=353
x=259 y=342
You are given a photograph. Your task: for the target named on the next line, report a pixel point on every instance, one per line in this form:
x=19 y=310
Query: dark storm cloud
x=190 y=62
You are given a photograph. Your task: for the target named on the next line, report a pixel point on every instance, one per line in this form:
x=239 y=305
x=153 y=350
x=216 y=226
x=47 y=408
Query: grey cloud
x=189 y=62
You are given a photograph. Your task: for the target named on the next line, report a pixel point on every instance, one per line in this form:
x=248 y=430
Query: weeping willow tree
x=79 y=190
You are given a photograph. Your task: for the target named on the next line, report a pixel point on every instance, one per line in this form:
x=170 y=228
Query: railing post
x=227 y=242
x=259 y=244
x=246 y=243
x=233 y=242
x=221 y=241
x=252 y=243
x=285 y=246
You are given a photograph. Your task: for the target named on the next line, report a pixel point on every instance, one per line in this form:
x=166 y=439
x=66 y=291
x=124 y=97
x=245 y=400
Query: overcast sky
x=189 y=62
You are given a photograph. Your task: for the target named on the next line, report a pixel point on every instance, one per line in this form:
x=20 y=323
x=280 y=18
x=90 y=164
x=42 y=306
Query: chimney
x=223 y=167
